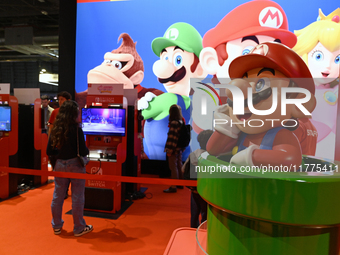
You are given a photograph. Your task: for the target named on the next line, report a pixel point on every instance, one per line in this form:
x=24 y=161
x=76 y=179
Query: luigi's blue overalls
x=155 y=134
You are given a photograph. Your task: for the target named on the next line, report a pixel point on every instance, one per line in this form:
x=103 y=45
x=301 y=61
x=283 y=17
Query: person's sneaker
x=57 y=231
x=87 y=229
x=180 y=187
x=170 y=190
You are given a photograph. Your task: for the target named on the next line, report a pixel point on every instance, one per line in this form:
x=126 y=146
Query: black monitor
x=104 y=121
x=5 y=118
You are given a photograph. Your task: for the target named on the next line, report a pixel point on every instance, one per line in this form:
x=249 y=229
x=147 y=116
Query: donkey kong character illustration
x=121 y=65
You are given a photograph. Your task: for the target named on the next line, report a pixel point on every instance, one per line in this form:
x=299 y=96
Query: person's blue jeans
x=77 y=190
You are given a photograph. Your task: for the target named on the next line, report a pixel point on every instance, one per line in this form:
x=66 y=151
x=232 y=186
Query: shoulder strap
x=268 y=139
x=240 y=142
x=77 y=144
x=180 y=102
x=185 y=111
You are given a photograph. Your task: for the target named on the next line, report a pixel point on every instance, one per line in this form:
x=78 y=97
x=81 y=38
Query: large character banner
x=183 y=52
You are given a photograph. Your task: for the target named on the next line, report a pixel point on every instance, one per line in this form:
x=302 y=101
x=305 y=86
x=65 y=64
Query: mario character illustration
x=253 y=23
x=319 y=46
x=121 y=65
x=179 y=51
x=271 y=71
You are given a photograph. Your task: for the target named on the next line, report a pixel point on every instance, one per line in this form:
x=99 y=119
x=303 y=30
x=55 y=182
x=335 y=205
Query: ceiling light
x=51 y=79
x=44 y=12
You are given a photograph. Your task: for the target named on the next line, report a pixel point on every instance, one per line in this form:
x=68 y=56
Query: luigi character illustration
x=179 y=51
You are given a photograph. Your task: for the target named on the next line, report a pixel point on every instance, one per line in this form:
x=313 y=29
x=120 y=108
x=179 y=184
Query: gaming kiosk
x=23 y=145
x=32 y=142
x=109 y=123
x=8 y=140
x=272 y=212
x=40 y=142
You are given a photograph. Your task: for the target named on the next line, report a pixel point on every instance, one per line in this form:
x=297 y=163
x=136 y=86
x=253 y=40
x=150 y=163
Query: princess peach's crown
x=334 y=16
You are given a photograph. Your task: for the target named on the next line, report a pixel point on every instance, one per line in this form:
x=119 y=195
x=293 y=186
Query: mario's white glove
x=244 y=157
x=143 y=103
x=222 y=122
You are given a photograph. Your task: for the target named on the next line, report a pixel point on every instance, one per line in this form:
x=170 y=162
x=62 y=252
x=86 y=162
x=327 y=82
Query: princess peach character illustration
x=319 y=46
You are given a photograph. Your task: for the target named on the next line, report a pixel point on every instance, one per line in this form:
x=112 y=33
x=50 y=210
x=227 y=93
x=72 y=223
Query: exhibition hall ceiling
x=29 y=30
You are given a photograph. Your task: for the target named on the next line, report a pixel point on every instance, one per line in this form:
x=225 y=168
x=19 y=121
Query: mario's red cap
x=277 y=56
x=257 y=17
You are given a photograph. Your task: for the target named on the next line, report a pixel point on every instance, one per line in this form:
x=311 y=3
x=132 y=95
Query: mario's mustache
x=257 y=97
x=177 y=76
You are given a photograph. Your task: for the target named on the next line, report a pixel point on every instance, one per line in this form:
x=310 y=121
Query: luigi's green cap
x=180 y=34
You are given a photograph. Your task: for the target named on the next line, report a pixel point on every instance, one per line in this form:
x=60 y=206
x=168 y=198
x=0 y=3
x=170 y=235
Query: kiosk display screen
x=5 y=118
x=103 y=121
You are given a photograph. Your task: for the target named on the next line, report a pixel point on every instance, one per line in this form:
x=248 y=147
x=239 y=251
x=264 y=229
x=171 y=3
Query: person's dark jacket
x=69 y=148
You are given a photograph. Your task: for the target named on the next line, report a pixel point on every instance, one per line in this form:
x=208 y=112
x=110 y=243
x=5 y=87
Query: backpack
x=184 y=136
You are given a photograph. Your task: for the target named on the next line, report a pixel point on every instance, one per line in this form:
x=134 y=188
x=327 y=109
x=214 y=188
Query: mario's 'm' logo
x=271 y=17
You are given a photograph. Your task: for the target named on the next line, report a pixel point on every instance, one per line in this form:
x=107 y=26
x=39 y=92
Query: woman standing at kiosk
x=173 y=152
x=64 y=140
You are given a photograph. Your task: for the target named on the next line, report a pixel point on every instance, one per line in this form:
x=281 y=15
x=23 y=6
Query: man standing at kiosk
x=47 y=110
x=62 y=97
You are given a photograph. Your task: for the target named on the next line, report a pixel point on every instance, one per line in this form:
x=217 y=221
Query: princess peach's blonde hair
x=326 y=31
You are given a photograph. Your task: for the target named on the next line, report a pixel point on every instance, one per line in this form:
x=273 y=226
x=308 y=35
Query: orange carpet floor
x=144 y=228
